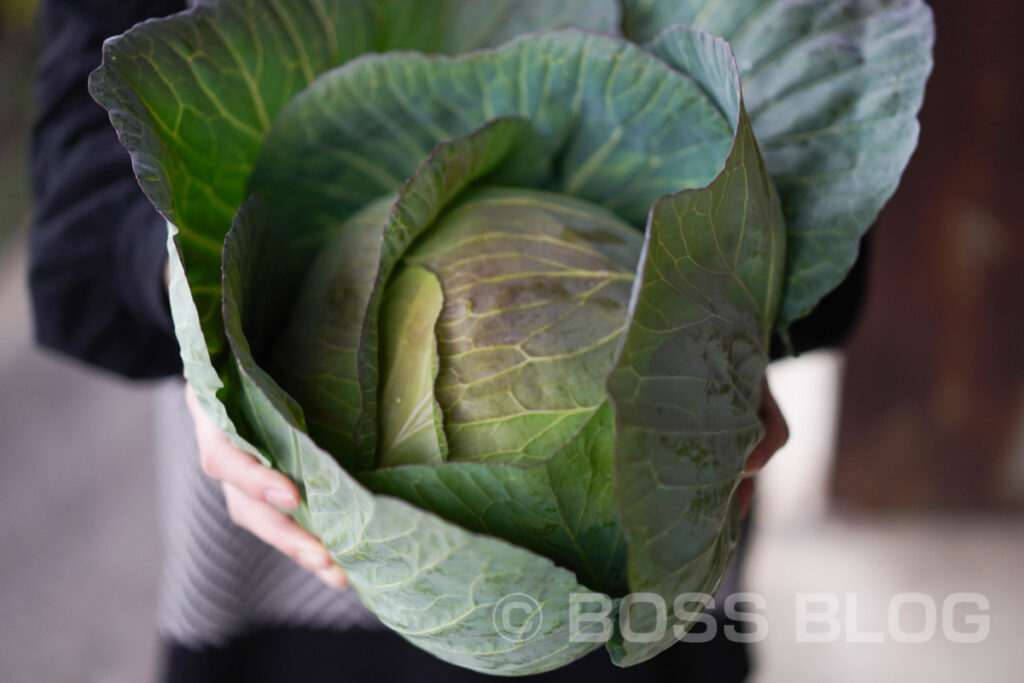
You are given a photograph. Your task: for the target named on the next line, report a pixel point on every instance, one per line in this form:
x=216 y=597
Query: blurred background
x=79 y=548
x=904 y=472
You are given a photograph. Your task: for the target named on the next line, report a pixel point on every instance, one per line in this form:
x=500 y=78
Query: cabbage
x=494 y=284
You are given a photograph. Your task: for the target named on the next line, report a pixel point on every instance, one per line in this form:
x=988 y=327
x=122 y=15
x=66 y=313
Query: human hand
x=776 y=434
x=255 y=496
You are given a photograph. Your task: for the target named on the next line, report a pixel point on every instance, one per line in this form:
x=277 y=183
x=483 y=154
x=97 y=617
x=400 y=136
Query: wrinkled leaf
x=832 y=88
x=686 y=385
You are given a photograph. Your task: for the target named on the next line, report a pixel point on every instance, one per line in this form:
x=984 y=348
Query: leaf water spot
x=606 y=303
x=605 y=237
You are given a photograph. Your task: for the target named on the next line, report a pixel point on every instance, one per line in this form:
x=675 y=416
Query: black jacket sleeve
x=97 y=247
x=835 y=317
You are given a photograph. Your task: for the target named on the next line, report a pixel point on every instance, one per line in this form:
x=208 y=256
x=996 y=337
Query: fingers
x=776 y=432
x=276 y=529
x=254 y=492
x=223 y=462
x=334 y=576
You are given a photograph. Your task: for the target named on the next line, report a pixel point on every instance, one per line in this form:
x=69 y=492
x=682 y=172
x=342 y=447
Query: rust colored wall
x=933 y=397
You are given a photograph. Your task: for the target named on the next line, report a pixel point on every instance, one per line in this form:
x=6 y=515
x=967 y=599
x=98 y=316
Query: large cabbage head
x=494 y=284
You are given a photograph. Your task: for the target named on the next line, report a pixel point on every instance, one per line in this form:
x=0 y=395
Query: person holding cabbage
x=463 y=327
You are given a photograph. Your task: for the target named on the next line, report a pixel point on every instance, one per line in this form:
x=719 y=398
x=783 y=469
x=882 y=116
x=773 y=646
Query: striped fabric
x=219 y=581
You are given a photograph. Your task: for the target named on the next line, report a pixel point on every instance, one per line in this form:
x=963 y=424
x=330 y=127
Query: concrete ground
x=872 y=580
x=79 y=547
x=79 y=550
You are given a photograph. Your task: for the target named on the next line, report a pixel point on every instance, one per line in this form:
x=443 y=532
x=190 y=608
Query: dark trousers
x=285 y=655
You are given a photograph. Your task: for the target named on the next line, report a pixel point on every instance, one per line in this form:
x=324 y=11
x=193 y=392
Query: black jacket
x=97 y=246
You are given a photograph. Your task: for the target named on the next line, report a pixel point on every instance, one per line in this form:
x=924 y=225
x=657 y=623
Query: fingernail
x=334 y=577
x=280 y=498
x=314 y=559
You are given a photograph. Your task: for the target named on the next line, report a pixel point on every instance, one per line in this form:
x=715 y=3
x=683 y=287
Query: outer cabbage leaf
x=832 y=88
x=686 y=386
x=193 y=95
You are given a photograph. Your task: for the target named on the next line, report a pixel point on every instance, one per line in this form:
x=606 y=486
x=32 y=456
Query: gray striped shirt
x=219 y=581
